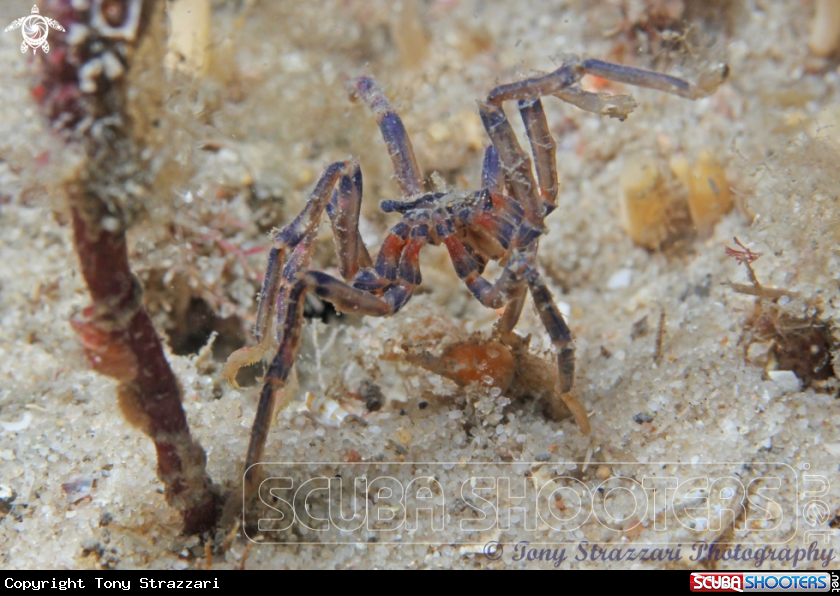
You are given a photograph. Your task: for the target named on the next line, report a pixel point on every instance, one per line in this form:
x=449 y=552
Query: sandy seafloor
x=239 y=148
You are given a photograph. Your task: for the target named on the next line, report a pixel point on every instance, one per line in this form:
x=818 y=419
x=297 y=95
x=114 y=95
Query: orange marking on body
x=501 y=204
x=456 y=249
x=473 y=275
x=412 y=248
x=595 y=84
x=393 y=245
x=488 y=221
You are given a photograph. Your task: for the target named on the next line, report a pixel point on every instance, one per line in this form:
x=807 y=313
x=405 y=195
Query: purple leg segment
x=409 y=268
x=293 y=233
x=345 y=297
x=395 y=135
x=388 y=258
x=344 y=209
x=555 y=324
x=543 y=148
x=290 y=322
x=268 y=293
x=491 y=295
x=705 y=86
x=289 y=237
x=492 y=175
x=515 y=162
x=568 y=75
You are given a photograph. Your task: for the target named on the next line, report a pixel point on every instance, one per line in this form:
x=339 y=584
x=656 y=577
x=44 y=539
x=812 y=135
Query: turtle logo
x=35 y=29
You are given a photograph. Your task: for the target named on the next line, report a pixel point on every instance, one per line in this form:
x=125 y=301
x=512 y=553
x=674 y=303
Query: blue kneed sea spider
x=502 y=221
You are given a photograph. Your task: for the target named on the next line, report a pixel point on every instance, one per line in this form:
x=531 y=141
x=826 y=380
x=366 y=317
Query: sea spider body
x=503 y=221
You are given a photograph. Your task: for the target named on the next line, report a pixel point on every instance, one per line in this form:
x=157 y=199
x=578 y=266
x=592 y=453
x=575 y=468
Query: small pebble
x=403 y=436
x=642 y=417
x=620 y=279
x=786 y=380
x=758 y=353
x=7 y=494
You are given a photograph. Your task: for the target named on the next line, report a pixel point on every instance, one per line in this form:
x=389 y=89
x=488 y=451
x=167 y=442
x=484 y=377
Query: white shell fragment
x=76 y=486
x=787 y=380
x=325 y=411
x=22 y=424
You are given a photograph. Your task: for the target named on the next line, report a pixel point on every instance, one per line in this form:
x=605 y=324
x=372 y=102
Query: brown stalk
x=89 y=112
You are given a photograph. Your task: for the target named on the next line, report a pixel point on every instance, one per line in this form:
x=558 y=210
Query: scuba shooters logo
x=762 y=582
x=35 y=29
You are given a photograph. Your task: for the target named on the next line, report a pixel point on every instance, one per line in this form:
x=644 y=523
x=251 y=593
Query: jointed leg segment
x=492 y=175
x=543 y=148
x=515 y=162
x=343 y=209
x=394 y=133
x=561 y=341
x=572 y=72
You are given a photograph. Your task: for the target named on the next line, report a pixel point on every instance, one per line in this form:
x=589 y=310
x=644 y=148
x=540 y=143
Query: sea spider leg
x=290 y=300
x=561 y=340
x=492 y=175
x=347 y=298
x=543 y=148
x=491 y=295
x=409 y=268
x=394 y=133
x=515 y=162
x=500 y=218
x=399 y=258
x=513 y=310
x=484 y=220
x=289 y=237
x=560 y=83
x=705 y=86
x=356 y=298
x=343 y=209
x=388 y=258
x=493 y=179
